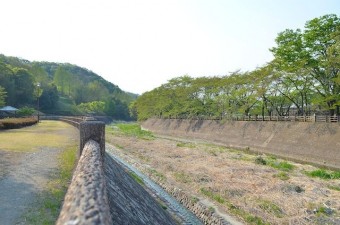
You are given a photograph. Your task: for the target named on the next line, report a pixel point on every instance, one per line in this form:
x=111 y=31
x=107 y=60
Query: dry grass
x=279 y=192
x=28 y=139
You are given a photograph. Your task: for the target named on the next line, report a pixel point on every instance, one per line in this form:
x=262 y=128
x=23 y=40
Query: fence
x=313 y=118
x=86 y=200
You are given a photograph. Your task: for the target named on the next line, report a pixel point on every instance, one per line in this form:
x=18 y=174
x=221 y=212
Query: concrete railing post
x=92 y=130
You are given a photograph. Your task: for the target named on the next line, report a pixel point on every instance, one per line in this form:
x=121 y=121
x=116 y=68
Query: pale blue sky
x=140 y=44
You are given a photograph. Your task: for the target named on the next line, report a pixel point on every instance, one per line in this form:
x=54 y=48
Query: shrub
x=25 y=111
x=14 y=123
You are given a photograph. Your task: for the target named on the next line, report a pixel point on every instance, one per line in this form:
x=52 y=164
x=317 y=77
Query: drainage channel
x=187 y=217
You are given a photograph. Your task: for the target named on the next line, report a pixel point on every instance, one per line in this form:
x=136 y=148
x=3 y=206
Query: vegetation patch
x=282 y=176
x=132 y=129
x=182 y=177
x=136 y=178
x=14 y=123
x=48 y=204
x=273 y=162
x=157 y=174
x=248 y=217
x=218 y=198
x=334 y=187
x=324 y=174
x=271 y=208
x=186 y=144
x=285 y=166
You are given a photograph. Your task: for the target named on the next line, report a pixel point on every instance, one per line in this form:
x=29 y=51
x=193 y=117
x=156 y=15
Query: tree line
x=61 y=88
x=303 y=78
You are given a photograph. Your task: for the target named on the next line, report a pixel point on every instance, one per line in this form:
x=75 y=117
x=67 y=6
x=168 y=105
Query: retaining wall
x=316 y=143
x=101 y=192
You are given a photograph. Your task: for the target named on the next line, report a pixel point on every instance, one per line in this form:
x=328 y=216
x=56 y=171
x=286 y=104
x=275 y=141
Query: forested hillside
x=62 y=89
x=302 y=79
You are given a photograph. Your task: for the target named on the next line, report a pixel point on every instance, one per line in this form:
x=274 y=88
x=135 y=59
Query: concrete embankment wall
x=129 y=202
x=101 y=191
x=316 y=143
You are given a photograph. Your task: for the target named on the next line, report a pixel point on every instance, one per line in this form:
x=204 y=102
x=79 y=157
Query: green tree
x=314 y=51
x=24 y=87
x=2 y=96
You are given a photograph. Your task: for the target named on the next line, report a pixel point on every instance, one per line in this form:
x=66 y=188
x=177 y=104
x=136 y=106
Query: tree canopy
x=302 y=79
x=63 y=88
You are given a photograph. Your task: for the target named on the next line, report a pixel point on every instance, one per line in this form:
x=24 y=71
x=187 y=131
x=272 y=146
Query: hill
x=61 y=88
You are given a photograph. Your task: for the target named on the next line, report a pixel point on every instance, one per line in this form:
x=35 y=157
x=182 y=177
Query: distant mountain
x=63 y=88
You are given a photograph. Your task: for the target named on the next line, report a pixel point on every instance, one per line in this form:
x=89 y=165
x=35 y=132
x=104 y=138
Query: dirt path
x=25 y=171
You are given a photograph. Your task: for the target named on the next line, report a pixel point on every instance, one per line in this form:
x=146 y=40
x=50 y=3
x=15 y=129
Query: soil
x=233 y=182
x=23 y=175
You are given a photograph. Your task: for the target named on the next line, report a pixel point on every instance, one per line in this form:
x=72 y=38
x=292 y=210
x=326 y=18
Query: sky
x=141 y=44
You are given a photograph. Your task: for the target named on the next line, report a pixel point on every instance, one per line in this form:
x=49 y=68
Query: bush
x=25 y=111
x=14 y=123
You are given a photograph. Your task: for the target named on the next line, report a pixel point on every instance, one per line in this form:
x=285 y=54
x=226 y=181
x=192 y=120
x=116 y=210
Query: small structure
x=8 y=111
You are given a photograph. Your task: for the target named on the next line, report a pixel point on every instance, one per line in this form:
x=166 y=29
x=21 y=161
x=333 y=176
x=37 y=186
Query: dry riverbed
x=30 y=171
x=254 y=189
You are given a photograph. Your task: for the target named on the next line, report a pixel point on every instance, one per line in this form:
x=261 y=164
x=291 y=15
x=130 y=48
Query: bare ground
x=234 y=182
x=25 y=172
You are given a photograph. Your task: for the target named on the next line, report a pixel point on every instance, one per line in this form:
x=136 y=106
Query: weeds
x=285 y=166
x=186 y=144
x=282 y=176
x=271 y=208
x=182 y=177
x=323 y=174
x=334 y=187
x=272 y=162
x=135 y=130
x=212 y=195
x=251 y=219
x=136 y=178
x=157 y=174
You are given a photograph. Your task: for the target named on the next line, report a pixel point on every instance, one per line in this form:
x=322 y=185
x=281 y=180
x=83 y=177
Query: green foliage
x=285 y=166
x=282 y=176
x=136 y=178
x=19 y=79
x=25 y=111
x=261 y=161
x=96 y=107
x=272 y=161
x=186 y=144
x=212 y=195
x=135 y=130
x=323 y=174
x=2 y=96
x=304 y=74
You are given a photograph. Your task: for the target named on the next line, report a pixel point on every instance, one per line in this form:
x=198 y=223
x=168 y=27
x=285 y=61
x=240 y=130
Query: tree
x=24 y=86
x=314 y=52
x=2 y=96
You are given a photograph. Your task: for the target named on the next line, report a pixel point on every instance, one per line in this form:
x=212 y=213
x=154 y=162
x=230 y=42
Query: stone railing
x=86 y=200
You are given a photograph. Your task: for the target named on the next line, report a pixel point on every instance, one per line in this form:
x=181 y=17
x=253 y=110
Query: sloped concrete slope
x=317 y=143
x=129 y=202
